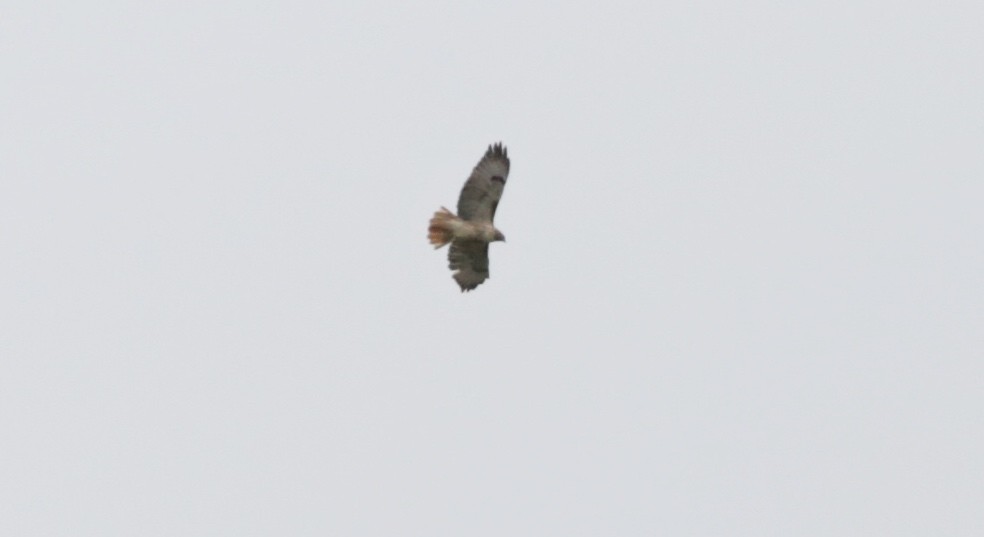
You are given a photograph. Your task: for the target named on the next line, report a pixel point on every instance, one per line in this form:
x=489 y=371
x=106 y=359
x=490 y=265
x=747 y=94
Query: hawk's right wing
x=481 y=193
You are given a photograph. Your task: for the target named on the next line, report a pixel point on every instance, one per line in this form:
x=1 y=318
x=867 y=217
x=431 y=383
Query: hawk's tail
x=440 y=233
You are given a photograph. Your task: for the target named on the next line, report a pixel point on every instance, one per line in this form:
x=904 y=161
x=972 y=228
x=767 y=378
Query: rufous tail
x=439 y=233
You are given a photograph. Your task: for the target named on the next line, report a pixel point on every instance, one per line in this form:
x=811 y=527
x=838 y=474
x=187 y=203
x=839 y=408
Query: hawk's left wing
x=481 y=193
x=471 y=261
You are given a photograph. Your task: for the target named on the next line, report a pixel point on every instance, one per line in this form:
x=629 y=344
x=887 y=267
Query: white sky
x=743 y=292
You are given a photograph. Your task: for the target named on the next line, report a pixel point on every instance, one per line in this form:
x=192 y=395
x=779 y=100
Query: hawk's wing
x=471 y=261
x=481 y=193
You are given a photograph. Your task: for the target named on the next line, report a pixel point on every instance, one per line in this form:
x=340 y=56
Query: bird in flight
x=471 y=231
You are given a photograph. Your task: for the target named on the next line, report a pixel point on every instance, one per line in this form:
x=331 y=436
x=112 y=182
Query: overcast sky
x=743 y=291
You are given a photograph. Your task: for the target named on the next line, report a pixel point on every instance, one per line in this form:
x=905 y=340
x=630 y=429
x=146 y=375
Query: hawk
x=471 y=231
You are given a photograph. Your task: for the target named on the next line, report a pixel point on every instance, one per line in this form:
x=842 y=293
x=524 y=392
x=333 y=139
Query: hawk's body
x=471 y=231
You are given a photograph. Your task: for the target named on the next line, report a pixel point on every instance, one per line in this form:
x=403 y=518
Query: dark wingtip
x=497 y=150
x=467 y=288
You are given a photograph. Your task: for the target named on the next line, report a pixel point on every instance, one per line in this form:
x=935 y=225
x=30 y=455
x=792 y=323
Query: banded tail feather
x=440 y=231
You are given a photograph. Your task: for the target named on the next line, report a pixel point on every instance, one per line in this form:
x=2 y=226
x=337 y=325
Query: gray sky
x=743 y=292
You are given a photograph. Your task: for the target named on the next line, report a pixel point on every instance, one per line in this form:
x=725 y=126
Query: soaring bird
x=471 y=231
